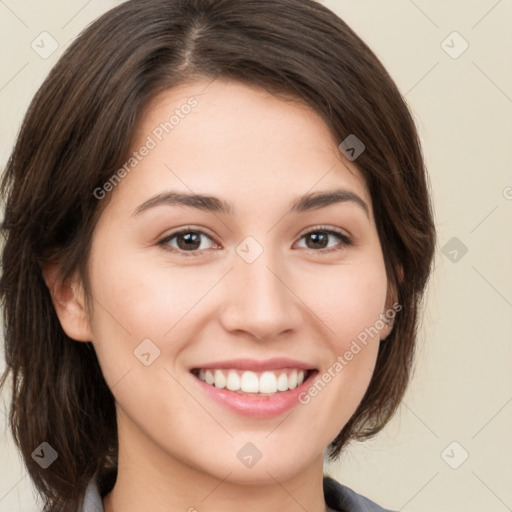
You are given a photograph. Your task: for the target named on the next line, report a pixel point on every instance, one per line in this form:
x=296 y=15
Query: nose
x=259 y=299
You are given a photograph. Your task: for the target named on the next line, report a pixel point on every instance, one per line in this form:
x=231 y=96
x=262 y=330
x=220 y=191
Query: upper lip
x=256 y=365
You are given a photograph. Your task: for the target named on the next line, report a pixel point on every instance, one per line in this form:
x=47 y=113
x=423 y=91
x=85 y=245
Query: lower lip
x=256 y=406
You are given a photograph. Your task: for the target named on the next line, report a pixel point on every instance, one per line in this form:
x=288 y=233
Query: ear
x=68 y=298
x=392 y=306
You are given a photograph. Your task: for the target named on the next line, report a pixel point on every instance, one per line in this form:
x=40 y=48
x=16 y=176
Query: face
x=263 y=283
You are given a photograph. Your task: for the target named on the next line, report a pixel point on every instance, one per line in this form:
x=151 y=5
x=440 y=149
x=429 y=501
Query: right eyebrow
x=201 y=202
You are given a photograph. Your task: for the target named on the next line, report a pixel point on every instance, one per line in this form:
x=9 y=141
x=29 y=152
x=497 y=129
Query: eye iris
x=319 y=238
x=193 y=240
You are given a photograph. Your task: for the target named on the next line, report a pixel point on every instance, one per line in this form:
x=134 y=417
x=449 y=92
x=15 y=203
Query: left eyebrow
x=316 y=200
x=312 y=201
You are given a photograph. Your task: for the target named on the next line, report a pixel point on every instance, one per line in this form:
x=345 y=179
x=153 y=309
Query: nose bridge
x=258 y=299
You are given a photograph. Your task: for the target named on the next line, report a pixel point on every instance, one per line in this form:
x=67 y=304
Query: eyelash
x=346 y=241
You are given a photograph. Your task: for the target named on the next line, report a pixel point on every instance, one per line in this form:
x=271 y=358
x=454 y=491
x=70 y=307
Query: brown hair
x=78 y=131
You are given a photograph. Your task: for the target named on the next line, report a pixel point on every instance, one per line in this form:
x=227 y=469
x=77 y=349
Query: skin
x=177 y=447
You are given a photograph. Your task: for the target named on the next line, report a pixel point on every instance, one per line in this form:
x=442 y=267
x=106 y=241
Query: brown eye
x=321 y=239
x=187 y=241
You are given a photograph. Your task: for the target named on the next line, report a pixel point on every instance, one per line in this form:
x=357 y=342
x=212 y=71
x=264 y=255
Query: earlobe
x=68 y=299
x=388 y=326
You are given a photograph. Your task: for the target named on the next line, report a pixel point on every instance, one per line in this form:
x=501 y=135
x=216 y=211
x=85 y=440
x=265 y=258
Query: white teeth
x=282 y=382
x=249 y=382
x=292 y=380
x=267 y=382
x=208 y=377
x=233 y=382
x=220 y=380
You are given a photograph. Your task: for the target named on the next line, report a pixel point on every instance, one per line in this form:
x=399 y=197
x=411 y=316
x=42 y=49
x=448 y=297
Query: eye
x=188 y=242
x=319 y=239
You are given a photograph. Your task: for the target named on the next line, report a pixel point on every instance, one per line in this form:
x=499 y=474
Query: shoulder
x=343 y=499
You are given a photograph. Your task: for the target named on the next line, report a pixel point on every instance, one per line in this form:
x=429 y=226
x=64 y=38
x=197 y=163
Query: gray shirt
x=337 y=496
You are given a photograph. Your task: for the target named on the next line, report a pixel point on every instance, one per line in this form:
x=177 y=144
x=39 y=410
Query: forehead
x=234 y=140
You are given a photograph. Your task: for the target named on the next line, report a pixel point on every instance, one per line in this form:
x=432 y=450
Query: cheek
x=137 y=299
x=132 y=302
x=141 y=324
x=347 y=299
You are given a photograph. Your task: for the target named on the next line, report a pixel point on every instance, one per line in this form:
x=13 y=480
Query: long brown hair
x=77 y=133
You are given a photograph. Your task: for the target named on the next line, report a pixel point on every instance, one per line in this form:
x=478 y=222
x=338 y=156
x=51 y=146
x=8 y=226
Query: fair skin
x=178 y=447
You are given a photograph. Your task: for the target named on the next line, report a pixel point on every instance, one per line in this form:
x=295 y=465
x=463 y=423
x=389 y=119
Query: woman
x=218 y=232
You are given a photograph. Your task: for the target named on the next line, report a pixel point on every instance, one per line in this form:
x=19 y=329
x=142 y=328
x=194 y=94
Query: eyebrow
x=307 y=202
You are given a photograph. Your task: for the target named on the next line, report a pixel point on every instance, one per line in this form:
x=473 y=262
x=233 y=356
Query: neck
x=150 y=479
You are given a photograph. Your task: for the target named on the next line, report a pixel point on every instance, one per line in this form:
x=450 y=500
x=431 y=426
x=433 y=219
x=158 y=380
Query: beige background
x=462 y=387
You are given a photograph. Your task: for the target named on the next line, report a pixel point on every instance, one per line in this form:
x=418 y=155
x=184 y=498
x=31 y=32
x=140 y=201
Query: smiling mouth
x=247 y=382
